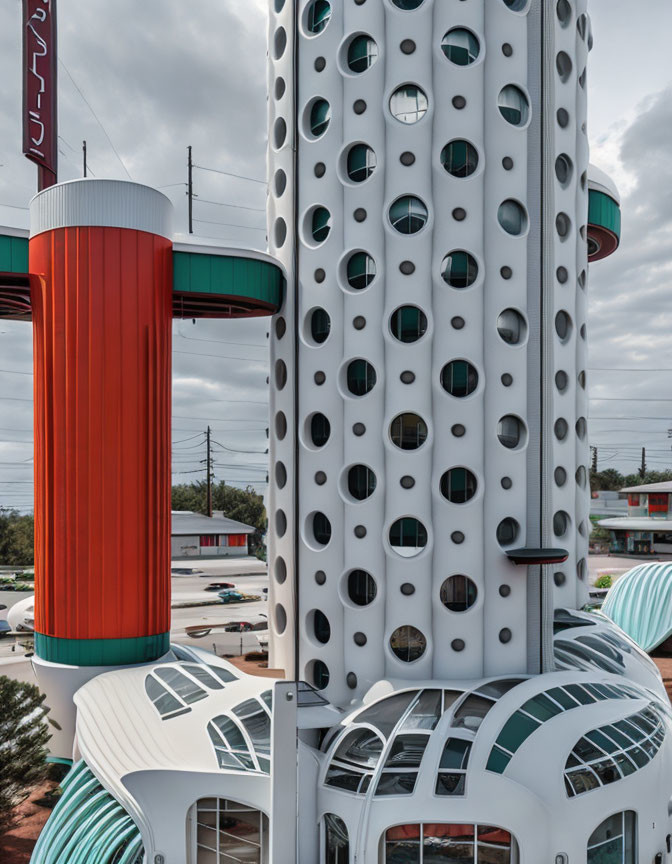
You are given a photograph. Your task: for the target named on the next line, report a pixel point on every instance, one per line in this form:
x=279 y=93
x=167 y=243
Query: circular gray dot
x=504 y=591
x=320 y=275
x=359 y=429
x=320 y=478
x=507 y=50
x=359 y=214
x=459 y=102
x=407 y=158
x=458 y=645
x=563 y=117
x=280 y=328
x=360 y=531
x=320 y=169
x=359 y=106
x=507 y=162
x=407 y=46
x=457 y=322
x=507 y=483
x=320 y=64
x=407 y=482
x=320 y=577
x=505 y=635
x=459 y=214
x=320 y=378
x=458 y=430
x=457 y=537
x=360 y=639
x=407 y=268
x=407 y=589
x=507 y=380
x=407 y=377
x=351 y=680
x=559 y=579
x=359 y=322
x=562 y=274
x=506 y=272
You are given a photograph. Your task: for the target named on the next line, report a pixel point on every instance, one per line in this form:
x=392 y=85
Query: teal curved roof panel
x=604 y=225
x=640 y=602
x=88 y=826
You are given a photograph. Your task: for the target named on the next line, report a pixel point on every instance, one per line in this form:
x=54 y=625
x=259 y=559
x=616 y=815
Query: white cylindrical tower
x=428 y=166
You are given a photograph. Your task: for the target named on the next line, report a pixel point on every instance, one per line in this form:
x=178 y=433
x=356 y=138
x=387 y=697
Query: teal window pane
x=579 y=694
x=361 y=377
x=362 y=53
x=320 y=430
x=516 y=730
x=455 y=754
x=459 y=378
x=408 y=214
x=361 y=482
x=361 y=163
x=320 y=116
x=319 y=14
x=321 y=224
x=361 y=270
x=562 y=697
x=497 y=761
x=459 y=158
x=459 y=269
x=461 y=46
x=320 y=325
x=541 y=708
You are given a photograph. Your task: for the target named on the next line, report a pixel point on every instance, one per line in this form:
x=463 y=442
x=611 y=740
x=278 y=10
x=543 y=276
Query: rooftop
x=186 y=522
x=665 y=486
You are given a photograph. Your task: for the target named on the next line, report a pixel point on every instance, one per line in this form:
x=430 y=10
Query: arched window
x=614 y=841
x=336 y=841
x=220 y=831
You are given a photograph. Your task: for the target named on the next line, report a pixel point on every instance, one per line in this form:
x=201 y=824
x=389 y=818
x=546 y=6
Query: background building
x=647 y=529
x=193 y=535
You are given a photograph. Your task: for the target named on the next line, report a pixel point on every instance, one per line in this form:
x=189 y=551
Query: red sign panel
x=40 y=132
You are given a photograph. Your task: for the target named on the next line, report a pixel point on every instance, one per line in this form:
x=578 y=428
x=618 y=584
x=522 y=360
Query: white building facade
x=428 y=196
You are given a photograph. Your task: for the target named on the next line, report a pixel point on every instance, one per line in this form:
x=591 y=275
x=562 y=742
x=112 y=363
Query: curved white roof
x=602 y=182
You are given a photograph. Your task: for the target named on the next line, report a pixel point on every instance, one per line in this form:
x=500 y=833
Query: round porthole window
x=320 y=224
x=362 y=54
x=408 y=104
x=360 y=270
x=513 y=105
x=361 y=482
x=458 y=593
x=320 y=325
x=459 y=269
x=459 y=378
x=408 y=215
x=408 y=431
x=407 y=5
x=408 y=643
x=511 y=432
x=319 y=117
x=360 y=163
x=408 y=537
x=408 y=324
x=511 y=327
x=458 y=485
x=459 y=158
x=361 y=377
x=512 y=217
x=317 y=16
x=507 y=531
x=362 y=588
x=461 y=46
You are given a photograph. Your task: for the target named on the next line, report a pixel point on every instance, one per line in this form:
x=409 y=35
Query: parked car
x=217 y=586
x=186 y=571
x=238 y=627
x=230 y=596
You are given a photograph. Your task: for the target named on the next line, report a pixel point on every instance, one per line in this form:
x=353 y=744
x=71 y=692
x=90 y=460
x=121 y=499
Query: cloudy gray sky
x=161 y=74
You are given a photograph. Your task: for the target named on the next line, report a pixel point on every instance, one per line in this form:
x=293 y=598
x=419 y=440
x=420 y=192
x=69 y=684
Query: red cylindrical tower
x=101 y=264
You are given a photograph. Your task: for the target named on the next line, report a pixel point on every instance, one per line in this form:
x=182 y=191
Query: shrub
x=604 y=582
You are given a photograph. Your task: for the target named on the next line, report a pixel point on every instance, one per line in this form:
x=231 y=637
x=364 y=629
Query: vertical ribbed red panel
x=102 y=361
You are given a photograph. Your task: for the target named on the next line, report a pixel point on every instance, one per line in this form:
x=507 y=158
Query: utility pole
x=642 y=470
x=208 y=468
x=190 y=190
x=593 y=467
x=84 y=156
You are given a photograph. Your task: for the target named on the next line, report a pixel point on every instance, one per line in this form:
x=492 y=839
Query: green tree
x=243 y=505
x=610 y=480
x=16 y=538
x=23 y=740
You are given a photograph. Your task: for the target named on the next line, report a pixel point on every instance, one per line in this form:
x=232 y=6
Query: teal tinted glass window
x=320 y=224
x=319 y=13
x=459 y=269
x=408 y=324
x=361 y=163
x=517 y=729
x=320 y=117
x=459 y=158
x=320 y=430
x=408 y=537
x=455 y=754
x=512 y=218
x=408 y=215
x=408 y=431
x=498 y=760
x=362 y=53
x=461 y=46
x=320 y=325
x=361 y=482
x=361 y=587
x=361 y=377
x=321 y=529
x=459 y=378
x=361 y=270
x=321 y=627
x=458 y=485
x=513 y=105
x=541 y=708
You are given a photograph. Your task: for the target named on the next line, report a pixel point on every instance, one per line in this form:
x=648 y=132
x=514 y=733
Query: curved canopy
x=641 y=604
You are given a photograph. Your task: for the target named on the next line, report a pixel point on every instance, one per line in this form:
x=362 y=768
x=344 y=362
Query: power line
x=230 y=174
x=228 y=204
x=14 y=372
x=96 y=117
x=218 y=356
x=229 y=225
x=223 y=341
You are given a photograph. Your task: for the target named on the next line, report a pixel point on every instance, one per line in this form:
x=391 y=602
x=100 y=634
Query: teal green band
x=247 y=279
x=101 y=652
x=13 y=254
x=604 y=212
